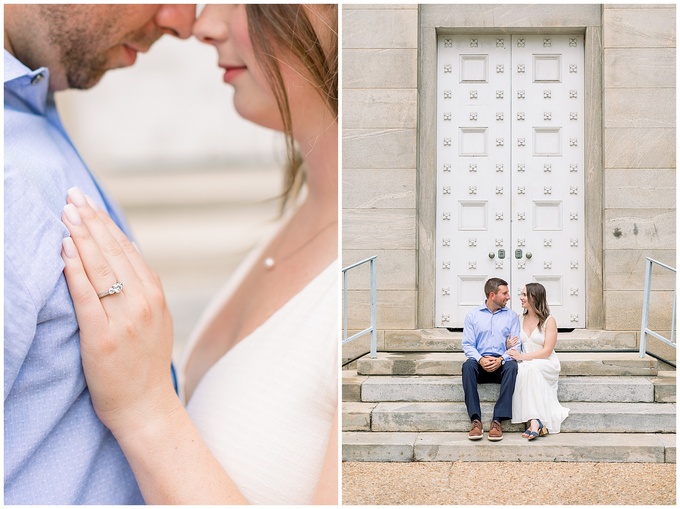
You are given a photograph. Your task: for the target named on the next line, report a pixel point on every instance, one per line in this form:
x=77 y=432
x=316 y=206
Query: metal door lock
x=518 y=254
x=501 y=254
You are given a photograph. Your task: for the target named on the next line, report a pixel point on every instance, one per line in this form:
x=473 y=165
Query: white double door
x=510 y=171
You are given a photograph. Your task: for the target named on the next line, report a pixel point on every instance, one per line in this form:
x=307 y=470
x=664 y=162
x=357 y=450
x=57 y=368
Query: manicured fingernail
x=77 y=197
x=72 y=214
x=91 y=202
x=69 y=247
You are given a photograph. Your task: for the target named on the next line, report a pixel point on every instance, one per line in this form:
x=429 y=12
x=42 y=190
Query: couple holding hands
x=519 y=354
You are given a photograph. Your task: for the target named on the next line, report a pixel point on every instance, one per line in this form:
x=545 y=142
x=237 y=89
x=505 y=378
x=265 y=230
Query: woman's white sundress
x=535 y=395
x=265 y=409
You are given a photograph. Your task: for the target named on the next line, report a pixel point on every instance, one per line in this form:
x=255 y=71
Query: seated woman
x=535 y=398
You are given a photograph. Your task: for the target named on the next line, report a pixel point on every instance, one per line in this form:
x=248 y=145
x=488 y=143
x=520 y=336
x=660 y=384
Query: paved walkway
x=508 y=484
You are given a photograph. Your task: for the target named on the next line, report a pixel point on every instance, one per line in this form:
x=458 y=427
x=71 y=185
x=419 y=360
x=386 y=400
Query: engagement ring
x=116 y=288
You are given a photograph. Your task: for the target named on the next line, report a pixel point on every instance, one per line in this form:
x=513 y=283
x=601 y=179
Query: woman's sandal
x=542 y=431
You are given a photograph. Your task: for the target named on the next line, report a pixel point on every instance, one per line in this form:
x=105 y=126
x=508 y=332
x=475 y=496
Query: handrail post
x=644 y=329
x=645 y=307
x=373 y=328
x=673 y=319
x=344 y=306
x=374 y=308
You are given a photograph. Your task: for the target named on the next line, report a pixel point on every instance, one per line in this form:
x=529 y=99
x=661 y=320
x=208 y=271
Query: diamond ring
x=115 y=288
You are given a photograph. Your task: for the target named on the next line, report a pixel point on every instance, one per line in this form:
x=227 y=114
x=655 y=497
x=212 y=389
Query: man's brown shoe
x=495 y=431
x=476 y=430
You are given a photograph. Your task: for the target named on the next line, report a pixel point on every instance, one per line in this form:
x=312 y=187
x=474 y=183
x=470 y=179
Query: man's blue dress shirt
x=56 y=449
x=485 y=333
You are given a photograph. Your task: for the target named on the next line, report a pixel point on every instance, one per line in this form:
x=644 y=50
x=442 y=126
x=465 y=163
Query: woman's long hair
x=537 y=299
x=275 y=29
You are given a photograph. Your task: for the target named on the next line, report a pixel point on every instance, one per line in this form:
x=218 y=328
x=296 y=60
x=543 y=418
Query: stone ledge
x=566 y=447
x=445 y=340
x=669 y=444
x=351 y=385
x=452 y=417
x=450 y=363
x=450 y=388
x=378 y=446
x=665 y=388
x=562 y=447
x=357 y=416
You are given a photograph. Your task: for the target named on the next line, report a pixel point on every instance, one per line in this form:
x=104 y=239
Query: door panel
x=509 y=171
x=547 y=174
x=473 y=171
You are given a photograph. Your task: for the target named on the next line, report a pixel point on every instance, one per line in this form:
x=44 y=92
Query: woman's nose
x=209 y=28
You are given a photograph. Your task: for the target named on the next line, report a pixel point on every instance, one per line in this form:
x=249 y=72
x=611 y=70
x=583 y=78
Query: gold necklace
x=270 y=262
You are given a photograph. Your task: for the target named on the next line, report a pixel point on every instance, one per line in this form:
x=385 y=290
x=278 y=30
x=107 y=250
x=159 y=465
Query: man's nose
x=176 y=19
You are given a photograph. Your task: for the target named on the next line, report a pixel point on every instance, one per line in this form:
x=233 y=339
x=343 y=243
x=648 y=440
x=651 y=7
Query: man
x=56 y=450
x=484 y=334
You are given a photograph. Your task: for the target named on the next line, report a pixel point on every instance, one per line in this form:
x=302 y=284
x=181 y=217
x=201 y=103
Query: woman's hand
x=126 y=337
x=510 y=342
x=126 y=345
x=515 y=354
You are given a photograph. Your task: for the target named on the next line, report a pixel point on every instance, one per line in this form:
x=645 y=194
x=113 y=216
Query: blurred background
x=197 y=183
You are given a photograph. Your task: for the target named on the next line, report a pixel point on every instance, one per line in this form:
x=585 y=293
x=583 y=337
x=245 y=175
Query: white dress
x=265 y=409
x=535 y=395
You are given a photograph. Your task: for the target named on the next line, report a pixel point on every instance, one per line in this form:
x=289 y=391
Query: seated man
x=484 y=335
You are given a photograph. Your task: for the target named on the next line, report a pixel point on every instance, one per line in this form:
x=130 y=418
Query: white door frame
x=436 y=20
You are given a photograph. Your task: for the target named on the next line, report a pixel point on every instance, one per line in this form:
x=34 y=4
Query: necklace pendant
x=269 y=263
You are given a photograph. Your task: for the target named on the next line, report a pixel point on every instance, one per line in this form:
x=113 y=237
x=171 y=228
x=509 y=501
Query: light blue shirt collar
x=31 y=86
x=484 y=307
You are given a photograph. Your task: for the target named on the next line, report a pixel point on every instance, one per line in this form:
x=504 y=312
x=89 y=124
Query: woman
x=535 y=398
x=260 y=375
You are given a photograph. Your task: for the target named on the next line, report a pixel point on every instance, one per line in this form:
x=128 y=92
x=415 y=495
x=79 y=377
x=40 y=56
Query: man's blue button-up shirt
x=56 y=449
x=485 y=333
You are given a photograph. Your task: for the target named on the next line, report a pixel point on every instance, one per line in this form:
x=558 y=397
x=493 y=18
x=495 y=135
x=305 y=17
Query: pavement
x=481 y=483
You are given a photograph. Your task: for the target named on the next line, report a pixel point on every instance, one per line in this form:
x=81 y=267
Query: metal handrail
x=645 y=310
x=374 y=306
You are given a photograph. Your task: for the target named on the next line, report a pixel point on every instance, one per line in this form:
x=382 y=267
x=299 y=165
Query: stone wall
x=379 y=118
x=639 y=159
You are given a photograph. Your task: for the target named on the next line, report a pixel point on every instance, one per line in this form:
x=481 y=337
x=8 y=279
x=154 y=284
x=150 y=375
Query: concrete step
x=665 y=387
x=574 y=447
x=583 y=417
x=619 y=389
x=442 y=340
x=450 y=363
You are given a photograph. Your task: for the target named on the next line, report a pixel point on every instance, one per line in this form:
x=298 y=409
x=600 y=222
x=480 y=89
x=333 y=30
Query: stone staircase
x=409 y=406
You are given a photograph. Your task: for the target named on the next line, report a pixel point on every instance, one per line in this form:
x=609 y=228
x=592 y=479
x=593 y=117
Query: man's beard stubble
x=84 y=41
x=72 y=32
x=83 y=70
